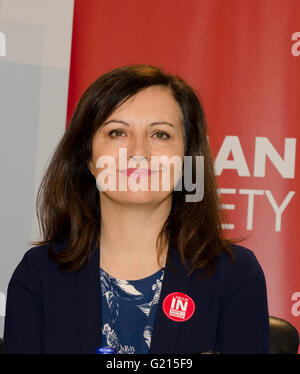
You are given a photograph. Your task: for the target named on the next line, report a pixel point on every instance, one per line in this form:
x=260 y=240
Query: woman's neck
x=128 y=238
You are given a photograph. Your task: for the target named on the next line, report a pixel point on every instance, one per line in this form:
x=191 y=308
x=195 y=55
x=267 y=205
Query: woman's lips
x=138 y=171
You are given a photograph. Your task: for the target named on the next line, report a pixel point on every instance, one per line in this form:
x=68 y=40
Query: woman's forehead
x=154 y=104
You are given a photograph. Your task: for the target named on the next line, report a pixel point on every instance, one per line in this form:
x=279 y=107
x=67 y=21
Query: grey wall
x=34 y=75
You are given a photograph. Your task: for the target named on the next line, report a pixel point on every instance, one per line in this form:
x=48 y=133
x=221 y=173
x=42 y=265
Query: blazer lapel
x=89 y=304
x=166 y=331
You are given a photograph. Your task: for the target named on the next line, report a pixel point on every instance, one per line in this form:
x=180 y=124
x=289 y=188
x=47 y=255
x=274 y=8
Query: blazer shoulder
x=35 y=261
x=40 y=253
x=245 y=262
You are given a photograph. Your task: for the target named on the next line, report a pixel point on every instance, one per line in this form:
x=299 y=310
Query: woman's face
x=148 y=124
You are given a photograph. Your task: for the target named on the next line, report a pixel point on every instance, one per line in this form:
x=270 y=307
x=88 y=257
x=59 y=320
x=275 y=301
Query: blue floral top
x=128 y=311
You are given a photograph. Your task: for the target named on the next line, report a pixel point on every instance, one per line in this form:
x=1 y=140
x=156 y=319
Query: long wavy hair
x=68 y=205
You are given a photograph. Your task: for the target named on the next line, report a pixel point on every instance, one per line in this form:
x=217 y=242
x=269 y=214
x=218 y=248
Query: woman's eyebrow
x=127 y=124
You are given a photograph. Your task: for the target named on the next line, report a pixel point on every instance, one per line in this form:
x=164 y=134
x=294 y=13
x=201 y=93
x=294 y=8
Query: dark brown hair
x=68 y=203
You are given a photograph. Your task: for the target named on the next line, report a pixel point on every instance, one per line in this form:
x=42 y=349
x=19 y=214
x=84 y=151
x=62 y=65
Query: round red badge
x=178 y=306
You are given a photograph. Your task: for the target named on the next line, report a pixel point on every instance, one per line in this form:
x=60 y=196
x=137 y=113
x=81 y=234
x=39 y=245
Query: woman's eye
x=117 y=132
x=162 y=135
x=159 y=134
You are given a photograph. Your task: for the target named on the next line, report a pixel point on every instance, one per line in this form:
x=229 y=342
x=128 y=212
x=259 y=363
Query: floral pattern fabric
x=128 y=311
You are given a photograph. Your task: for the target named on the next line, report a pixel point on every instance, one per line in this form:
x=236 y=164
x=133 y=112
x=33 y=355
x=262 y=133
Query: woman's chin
x=137 y=197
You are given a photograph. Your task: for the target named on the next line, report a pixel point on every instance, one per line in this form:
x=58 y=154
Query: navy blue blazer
x=48 y=311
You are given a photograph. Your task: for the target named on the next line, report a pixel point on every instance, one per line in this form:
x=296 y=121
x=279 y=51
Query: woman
x=139 y=270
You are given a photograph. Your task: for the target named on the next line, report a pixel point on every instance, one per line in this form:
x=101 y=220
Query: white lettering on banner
x=278 y=209
x=295 y=50
x=231 y=144
x=263 y=149
x=2 y=44
x=2 y=304
x=286 y=166
x=229 y=226
x=296 y=306
x=251 y=194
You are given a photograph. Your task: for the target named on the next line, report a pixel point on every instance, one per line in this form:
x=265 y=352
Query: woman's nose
x=139 y=149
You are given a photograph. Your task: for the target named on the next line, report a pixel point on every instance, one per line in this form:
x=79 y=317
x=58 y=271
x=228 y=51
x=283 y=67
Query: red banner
x=243 y=57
